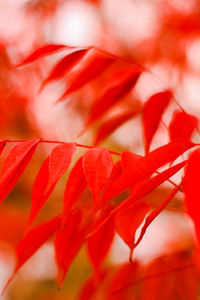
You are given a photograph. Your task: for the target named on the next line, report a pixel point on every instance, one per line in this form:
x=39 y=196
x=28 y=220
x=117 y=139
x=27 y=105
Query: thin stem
x=62 y=142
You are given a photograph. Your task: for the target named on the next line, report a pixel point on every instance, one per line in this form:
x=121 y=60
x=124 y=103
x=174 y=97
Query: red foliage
x=107 y=192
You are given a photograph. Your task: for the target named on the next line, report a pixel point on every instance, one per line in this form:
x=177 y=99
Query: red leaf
x=150 y=185
x=125 y=275
x=191 y=188
x=32 y=241
x=140 y=191
x=128 y=220
x=43 y=51
x=68 y=241
x=65 y=65
x=76 y=184
x=153 y=111
x=99 y=244
x=135 y=170
x=112 y=124
x=156 y=212
x=90 y=287
x=97 y=166
x=52 y=169
x=14 y=165
x=182 y=125
x=93 y=69
x=117 y=87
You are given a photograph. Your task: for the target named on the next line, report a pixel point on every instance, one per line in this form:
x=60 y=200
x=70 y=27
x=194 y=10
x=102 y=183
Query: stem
x=62 y=142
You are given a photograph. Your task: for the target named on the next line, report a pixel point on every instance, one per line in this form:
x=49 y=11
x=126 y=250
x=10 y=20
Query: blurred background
x=163 y=37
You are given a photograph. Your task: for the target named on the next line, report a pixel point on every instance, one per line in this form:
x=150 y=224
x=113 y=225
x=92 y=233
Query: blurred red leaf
x=118 y=86
x=182 y=125
x=42 y=51
x=32 y=241
x=93 y=68
x=65 y=64
x=153 y=111
x=113 y=123
x=191 y=189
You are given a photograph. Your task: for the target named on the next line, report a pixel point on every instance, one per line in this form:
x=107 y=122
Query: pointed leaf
x=51 y=171
x=75 y=186
x=149 y=185
x=136 y=170
x=93 y=69
x=182 y=125
x=99 y=244
x=68 y=241
x=91 y=286
x=156 y=212
x=128 y=220
x=97 y=166
x=32 y=241
x=15 y=164
x=117 y=87
x=65 y=65
x=123 y=278
x=112 y=124
x=42 y=51
x=153 y=111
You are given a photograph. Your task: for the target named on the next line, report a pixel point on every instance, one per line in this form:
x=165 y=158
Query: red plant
x=109 y=192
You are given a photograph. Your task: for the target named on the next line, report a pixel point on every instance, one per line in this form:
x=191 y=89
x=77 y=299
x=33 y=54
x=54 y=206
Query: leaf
x=149 y=185
x=15 y=164
x=156 y=212
x=52 y=169
x=128 y=220
x=140 y=191
x=69 y=239
x=122 y=279
x=137 y=168
x=191 y=189
x=97 y=166
x=95 y=66
x=75 y=186
x=42 y=51
x=90 y=287
x=65 y=65
x=117 y=87
x=182 y=125
x=152 y=113
x=99 y=244
x=32 y=241
x=112 y=124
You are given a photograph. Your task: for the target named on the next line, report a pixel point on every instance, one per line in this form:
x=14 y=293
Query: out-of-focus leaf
x=153 y=110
